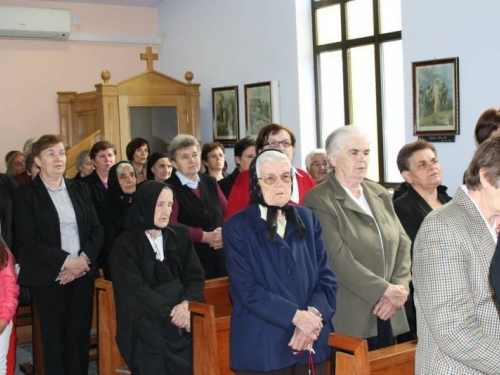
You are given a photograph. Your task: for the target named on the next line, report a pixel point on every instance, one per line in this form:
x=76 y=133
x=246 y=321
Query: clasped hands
x=214 y=238
x=73 y=268
x=307 y=329
x=392 y=300
x=180 y=316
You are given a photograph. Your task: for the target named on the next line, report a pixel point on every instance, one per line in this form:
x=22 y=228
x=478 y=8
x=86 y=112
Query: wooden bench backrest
x=216 y=293
x=353 y=358
x=210 y=341
x=109 y=355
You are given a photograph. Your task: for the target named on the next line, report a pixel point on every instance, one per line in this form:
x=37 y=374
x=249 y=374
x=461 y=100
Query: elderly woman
x=457 y=315
x=16 y=168
x=84 y=165
x=137 y=154
x=199 y=203
x=421 y=171
x=113 y=209
x=61 y=238
x=316 y=164
x=278 y=137
x=213 y=156
x=103 y=156
x=368 y=248
x=159 y=167
x=277 y=262
x=155 y=274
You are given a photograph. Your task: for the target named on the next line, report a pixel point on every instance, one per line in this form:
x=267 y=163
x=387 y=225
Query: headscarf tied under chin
x=142 y=212
x=289 y=211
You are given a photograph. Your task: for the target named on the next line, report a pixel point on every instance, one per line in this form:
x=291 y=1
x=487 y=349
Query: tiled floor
x=24 y=355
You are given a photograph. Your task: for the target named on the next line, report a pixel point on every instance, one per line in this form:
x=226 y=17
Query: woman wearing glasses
x=316 y=164
x=278 y=137
x=213 y=157
x=277 y=262
x=199 y=203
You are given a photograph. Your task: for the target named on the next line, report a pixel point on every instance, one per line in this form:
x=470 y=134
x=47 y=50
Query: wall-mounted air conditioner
x=39 y=23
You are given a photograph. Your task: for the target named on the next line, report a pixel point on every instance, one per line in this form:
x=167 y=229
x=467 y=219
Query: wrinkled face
x=87 y=167
x=126 y=179
x=215 y=160
x=319 y=167
x=141 y=155
x=187 y=161
x=352 y=163
x=52 y=160
x=163 y=208
x=246 y=158
x=276 y=193
x=280 y=141
x=425 y=170
x=19 y=164
x=162 y=169
x=104 y=160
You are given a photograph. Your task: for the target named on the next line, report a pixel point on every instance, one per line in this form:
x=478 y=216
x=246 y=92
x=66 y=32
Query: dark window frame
x=344 y=45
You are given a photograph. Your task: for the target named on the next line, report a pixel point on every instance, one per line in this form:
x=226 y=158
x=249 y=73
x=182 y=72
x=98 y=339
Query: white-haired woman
x=317 y=165
x=277 y=262
x=199 y=203
x=369 y=249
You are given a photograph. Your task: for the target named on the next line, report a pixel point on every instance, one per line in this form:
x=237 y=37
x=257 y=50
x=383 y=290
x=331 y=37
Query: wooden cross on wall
x=149 y=56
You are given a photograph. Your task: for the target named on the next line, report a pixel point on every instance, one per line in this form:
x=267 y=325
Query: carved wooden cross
x=149 y=56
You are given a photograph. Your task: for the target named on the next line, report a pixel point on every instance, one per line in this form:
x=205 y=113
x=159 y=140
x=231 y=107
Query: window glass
x=328 y=24
x=390 y=15
x=393 y=106
x=331 y=89
x=359 y=18
x=363 y=99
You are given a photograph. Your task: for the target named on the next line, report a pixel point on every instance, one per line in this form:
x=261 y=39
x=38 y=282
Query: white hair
x=335 y=141
x=311 y=155
x=270 y=157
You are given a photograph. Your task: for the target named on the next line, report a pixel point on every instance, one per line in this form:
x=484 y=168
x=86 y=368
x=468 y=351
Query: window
x=359 y=75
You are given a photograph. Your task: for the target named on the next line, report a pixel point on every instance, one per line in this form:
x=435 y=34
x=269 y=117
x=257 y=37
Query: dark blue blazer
x=269 y=283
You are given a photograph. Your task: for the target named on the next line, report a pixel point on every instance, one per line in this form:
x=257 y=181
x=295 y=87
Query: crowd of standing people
x=307 y=252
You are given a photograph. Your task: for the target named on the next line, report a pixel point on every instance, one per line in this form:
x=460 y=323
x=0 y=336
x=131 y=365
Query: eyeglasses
x=251 y=156
x=320 y=164
x=270 y=178
x=216 y=156
x=276 y=144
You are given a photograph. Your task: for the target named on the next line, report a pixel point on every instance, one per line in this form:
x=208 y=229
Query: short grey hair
x=81 y=157
x=181 y=141
x=311 y=155
x=335 y=141
x=270 y=157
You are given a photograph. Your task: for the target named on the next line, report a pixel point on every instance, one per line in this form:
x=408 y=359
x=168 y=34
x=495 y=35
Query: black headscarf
x=142 y=213
x=114 y=188
x=288 y=210
x=155 y=156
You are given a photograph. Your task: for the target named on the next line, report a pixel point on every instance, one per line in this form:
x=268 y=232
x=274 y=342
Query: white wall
x=227 y=43
x=449 y=28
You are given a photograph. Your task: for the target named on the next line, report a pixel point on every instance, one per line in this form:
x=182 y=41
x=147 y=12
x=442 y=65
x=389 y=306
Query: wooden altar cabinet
x=150 y=105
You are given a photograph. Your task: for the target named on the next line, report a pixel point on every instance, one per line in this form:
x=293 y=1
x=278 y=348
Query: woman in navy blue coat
x=282 y=288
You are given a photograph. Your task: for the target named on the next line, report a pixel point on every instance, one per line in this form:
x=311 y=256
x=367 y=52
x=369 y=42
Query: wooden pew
x=210 y=340
x=216 y=293
x=109 y=359
x=353 y=358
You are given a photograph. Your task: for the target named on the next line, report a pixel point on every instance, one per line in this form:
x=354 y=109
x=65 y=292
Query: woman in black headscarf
x=155 y=273
x=277 y=262
x=114 y=207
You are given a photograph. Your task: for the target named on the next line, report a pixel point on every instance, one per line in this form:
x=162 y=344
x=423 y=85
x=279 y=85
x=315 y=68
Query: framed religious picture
x=261 y=106
x=435 y=97
x=225 y=114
